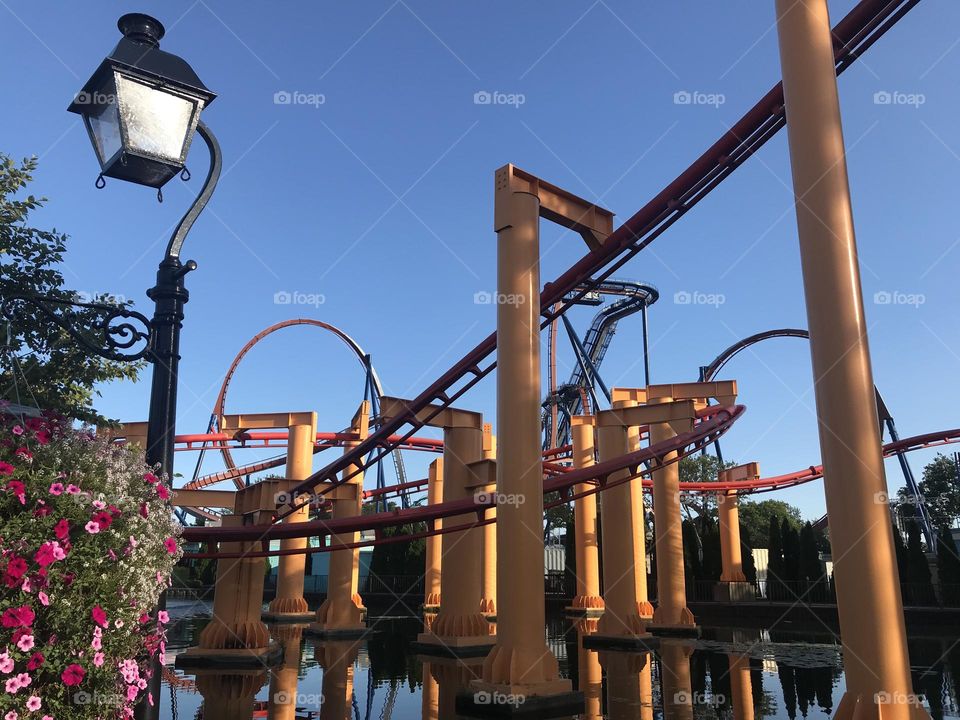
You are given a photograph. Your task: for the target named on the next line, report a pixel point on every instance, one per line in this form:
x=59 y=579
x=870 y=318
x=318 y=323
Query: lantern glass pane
x=103 y=121
x=156 y=121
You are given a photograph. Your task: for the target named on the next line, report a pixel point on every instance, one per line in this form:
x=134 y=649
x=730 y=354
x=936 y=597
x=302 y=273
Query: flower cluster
x=87 y=544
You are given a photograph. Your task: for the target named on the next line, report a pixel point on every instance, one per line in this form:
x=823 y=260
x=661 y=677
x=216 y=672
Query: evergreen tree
x=920 y=591
x=811 y=569
x=775 y=571
x=692 y=564
x=948 y=568
x=791 y=553
x=749 y=565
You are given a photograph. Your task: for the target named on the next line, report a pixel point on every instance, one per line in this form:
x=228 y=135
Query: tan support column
x=625 y=699
x=587 y=600
x=289 y=603
x=730 y=537
x=520 y=662
x=339 y=615
x=488 y=598
x=625 y=398
x=429 y=694
x=672 y=611
x=459 y=624
x=622 y=614
x=433 y=555
x=235 y=634
x=876 y=661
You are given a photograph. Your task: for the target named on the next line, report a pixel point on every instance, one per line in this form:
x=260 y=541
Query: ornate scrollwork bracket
x=117 y=333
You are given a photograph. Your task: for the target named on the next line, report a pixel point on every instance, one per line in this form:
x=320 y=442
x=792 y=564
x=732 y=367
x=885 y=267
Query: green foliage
x=755 y=520
x=940 y=492
x=60 y=374
x=702 y=469
x=401 y=557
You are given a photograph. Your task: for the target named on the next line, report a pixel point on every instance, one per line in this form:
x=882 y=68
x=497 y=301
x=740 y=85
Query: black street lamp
x=141 y=108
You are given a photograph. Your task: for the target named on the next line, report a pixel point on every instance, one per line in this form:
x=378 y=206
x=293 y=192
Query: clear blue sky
x=380 y=197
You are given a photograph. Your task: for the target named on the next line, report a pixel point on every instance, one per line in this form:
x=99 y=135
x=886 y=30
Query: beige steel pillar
x=876 y=661
x=459 y=623
x=587 y=600
x=429 y=694
x=289 y=604
x=236 y=635
x=625 y=696
x=433 y=552
x=340 y=615
x=520 y=662
x=733 y=584
x=488 y=597
x=620 y=584
x=672 y=615
x=624 y=398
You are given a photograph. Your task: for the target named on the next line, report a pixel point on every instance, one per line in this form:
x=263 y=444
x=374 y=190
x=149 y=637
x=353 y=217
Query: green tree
x=920 y=590
x=60 y=375
x=755 y=520
x=702 y=469
x=939 y=490
x=791 y=551
x=775 y=567
x=811 y=569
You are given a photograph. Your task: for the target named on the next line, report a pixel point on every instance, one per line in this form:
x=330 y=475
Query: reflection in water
x=728 y=675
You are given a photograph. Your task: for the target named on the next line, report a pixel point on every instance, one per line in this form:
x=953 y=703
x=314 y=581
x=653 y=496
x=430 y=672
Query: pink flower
x=17 y=430
x=73 y=489
x=33 y=704
x=21 y=616
x=24 y=679
x=98 y=659
x=16 y=567
x=171 y=545
x=24 y=453
x=99 y=616
x=163 y=492
x=96 y=643
x=163 y=617
x=44 y=556
x=36 y=660
x=73 y=675
x=25 y=643
x=11 y=715
x=11 y=685
x=143 y=510
x=91 y=527
x=17 y=488
x=150 y=478
x=132 y=692
x=6 y=663
x=62 y=529
x=6 y=468
x=118 y=623
x=42 y=437
x=133 y=541
x=43 y=598
x=56 y=488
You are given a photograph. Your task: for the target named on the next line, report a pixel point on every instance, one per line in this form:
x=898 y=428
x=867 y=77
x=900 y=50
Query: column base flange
x=550 y=699
x=625 y=643
x=231 y=658
x=590 y=612
x=674 y=630
x=287 y=618
x=457 y=647
x=349 y=632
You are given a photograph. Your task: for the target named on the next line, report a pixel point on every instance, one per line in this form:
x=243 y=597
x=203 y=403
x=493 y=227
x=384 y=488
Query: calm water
x=742 y=674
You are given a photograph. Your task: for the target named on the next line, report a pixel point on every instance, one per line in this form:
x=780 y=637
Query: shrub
x=87 y=544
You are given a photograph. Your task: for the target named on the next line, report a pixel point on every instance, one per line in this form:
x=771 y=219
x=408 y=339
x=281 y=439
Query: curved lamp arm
x=209 y=185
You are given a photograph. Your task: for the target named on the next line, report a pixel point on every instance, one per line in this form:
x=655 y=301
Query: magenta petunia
x=171 y=545
x=92 y=527
x=163 y=492
x=73 y=675
x=62 y=529
x=56 y=488
x=6 y=468
x=99 y=616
